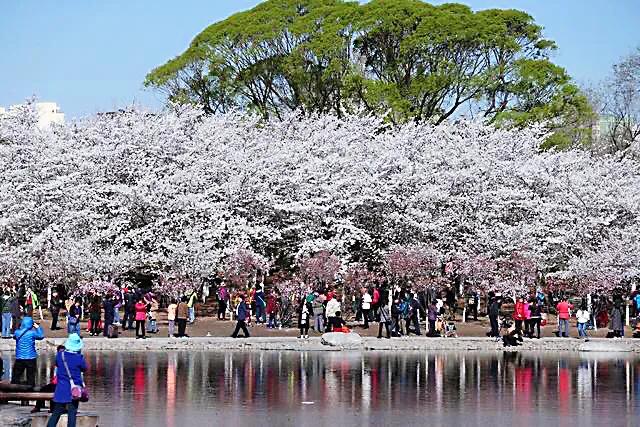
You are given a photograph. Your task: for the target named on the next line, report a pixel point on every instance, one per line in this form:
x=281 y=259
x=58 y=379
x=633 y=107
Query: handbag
x=79 y=393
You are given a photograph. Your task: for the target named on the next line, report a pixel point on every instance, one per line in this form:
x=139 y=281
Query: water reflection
x=287 y=388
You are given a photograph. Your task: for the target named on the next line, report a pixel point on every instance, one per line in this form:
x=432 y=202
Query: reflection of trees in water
x=169 y=385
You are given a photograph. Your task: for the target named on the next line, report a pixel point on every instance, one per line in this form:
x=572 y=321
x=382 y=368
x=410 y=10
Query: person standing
x=535 y=308
x=384 y=317
x=171 y=317
x=182 y=315
x=73 y=318
x=70 y=365
x=141 y=317
x=366 y=307
x=241 y=316
x=333 y=306
x=26 y=354
x=6 y=314
x=617 y=325
x=95 y=311
x=318 y=312
x=260 y=305
x=108 y=303
x=191 y=304
x=494 y=312
x=16 y=313
x=223 y=298
x=414 y=315
x=564 y=313
x=129 y=309
x=305 y=311
x=153 y=315
x=518 y=314
x=272 y=309
x=55 y=306
x=582 y=318
x=432 y=316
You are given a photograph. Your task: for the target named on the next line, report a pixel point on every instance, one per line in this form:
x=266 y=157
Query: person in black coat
x=109 y=308
x=54 y=307
x=305 y=312
x=129 y=309
x=494 y=312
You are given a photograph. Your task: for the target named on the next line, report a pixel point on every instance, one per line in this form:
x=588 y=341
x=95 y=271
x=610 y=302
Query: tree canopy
x=406 y=59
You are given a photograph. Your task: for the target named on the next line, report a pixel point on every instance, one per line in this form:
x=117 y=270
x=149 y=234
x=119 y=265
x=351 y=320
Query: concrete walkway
x=314 y=344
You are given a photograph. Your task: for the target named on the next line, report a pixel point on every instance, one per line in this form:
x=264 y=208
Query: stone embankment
x=316 y=344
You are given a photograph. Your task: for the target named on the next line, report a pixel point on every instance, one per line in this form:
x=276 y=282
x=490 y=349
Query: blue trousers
x=6 y=325
x=58 y=410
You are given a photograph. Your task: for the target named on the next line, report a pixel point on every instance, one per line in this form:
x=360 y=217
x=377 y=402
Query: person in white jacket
x=333 y=306
x=366 y=307
x=583 y=317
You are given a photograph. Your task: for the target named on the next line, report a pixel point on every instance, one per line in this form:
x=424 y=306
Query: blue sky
x=92 y=55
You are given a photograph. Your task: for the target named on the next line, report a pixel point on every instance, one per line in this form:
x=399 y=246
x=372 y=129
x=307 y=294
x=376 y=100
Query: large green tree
x=407 y=59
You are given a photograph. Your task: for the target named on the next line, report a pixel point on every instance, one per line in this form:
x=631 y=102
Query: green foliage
x=406 y=59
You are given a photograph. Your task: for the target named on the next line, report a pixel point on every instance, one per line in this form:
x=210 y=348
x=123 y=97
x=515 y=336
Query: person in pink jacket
x=564 y=313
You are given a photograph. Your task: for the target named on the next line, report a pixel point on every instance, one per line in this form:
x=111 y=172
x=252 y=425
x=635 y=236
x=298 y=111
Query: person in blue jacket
x=26 y=354
x=70 y=365
x=242 y=314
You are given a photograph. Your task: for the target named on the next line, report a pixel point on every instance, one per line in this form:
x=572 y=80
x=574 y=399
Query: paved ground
x=216 y=328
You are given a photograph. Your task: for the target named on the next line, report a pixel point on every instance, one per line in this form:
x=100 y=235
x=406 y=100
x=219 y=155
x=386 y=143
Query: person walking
x=582 y=317
x=223 y=299
x=141 y=317
x=26 y=354
x=182 y=315
x=366 y=307
x=305 y=311
x=70 y=365
x=241 y=317
x=6 y=301
x=564 y=313
x=171 y=317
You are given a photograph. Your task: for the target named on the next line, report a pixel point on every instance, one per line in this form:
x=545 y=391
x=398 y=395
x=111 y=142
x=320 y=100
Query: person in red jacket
x=564 y=313
x=141 y=317
x=518 y=315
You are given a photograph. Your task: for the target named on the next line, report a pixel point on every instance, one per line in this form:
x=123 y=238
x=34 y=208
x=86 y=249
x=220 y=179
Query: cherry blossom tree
x=320 y=270
x=177 y=192
x=417 y=266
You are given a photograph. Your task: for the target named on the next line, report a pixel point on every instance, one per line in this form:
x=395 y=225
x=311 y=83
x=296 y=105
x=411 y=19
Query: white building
x=48 y=113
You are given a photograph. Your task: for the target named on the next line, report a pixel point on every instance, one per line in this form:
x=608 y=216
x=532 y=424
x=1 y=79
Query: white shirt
x=333 y=306
x=366 y=301
x=582 y=316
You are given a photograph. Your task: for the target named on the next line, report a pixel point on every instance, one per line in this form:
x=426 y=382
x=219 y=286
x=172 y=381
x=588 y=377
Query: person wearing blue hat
x=70 y=365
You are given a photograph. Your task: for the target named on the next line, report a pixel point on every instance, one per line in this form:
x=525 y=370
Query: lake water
x=180 y=389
